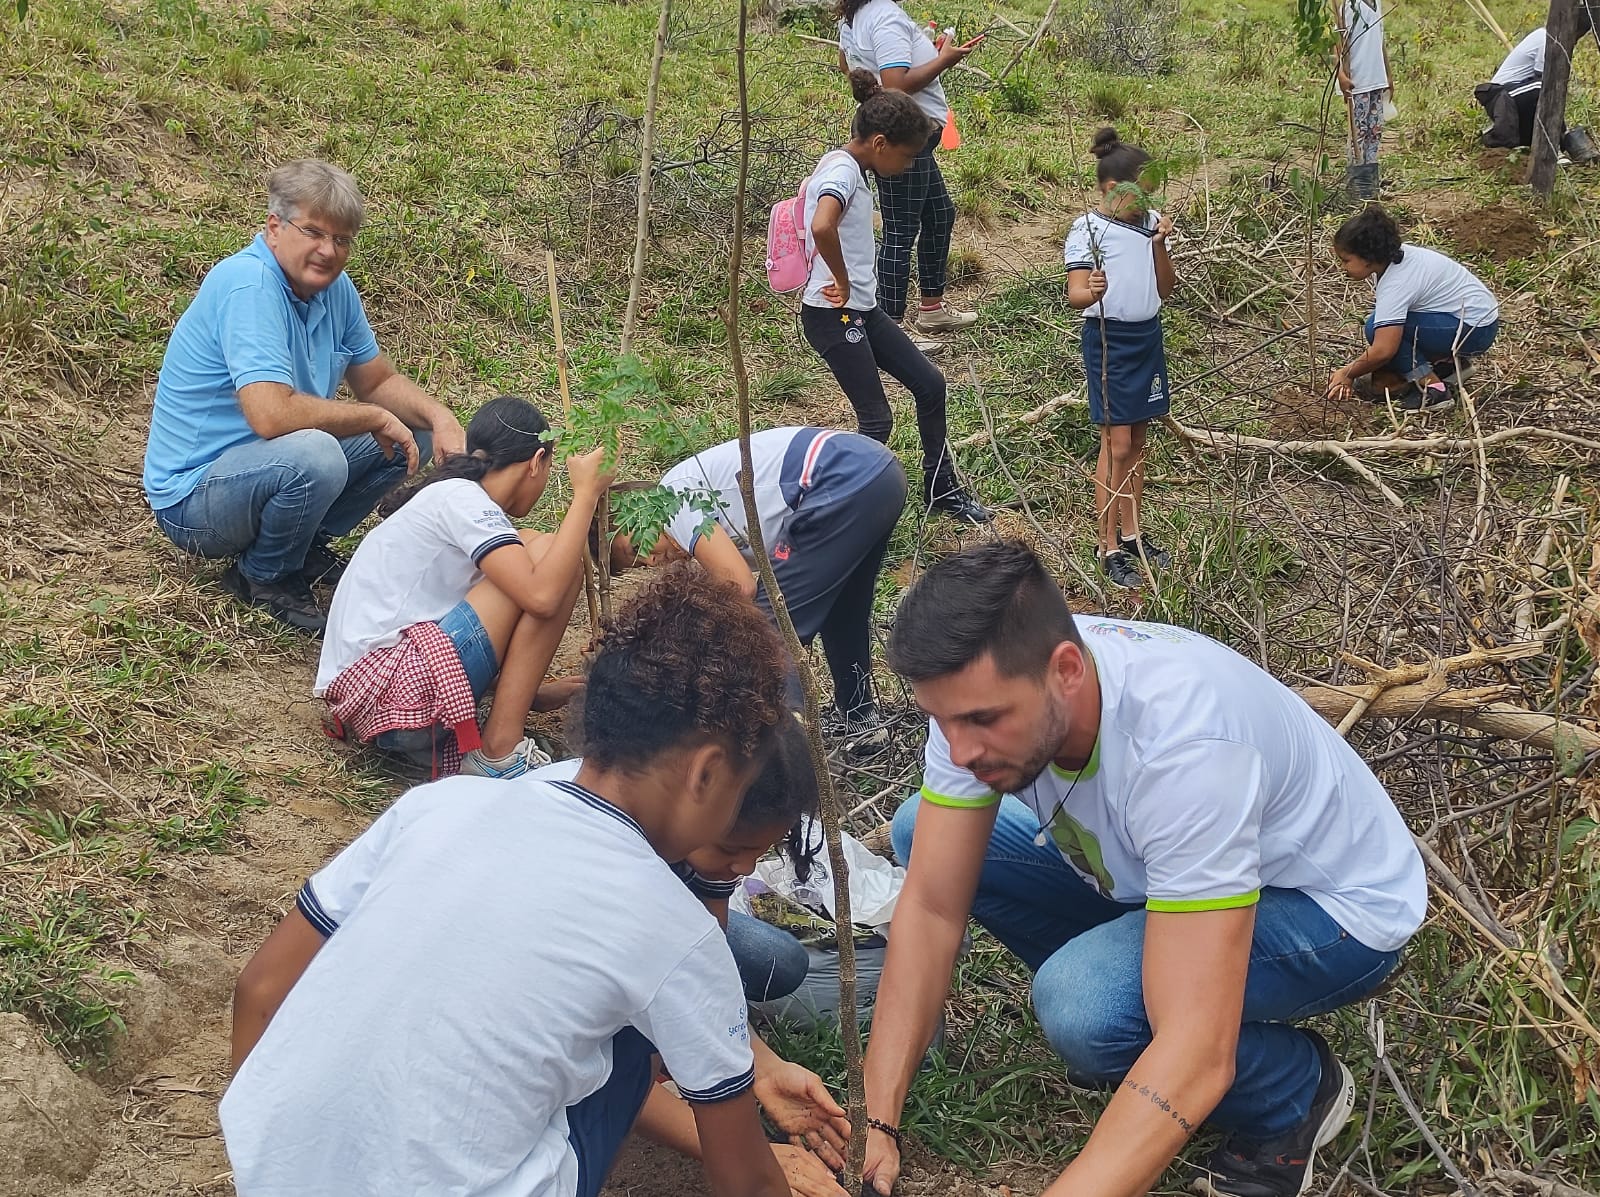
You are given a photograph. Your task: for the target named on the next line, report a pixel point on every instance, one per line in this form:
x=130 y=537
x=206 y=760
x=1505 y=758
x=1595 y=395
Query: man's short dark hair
x=993 y=598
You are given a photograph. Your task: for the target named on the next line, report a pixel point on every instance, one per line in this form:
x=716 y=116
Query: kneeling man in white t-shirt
x=502 y=958
x=1188 y=858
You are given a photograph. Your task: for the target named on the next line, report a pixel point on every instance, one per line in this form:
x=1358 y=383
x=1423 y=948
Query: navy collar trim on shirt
x=590 y=798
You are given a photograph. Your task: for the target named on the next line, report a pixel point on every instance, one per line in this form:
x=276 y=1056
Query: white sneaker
x=524 y=758
x=928 y=345
x=945 y=318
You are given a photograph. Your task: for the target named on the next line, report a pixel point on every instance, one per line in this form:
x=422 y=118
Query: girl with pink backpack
x=839 y=311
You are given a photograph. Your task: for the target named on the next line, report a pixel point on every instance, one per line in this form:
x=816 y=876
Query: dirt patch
x=645 y=1170
x=1494 y=232
x=1296 y=414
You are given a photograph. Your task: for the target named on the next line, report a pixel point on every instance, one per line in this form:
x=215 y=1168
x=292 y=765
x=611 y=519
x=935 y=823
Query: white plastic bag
x=874 y=882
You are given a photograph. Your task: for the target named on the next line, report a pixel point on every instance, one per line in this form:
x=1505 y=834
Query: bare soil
x=1294 y=413
x=1496 y=232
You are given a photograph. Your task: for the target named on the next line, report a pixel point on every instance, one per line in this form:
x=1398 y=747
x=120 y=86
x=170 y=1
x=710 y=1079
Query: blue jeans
x=268 y=501
x=1086 y=953
x=771 y=962
x=1430 y=337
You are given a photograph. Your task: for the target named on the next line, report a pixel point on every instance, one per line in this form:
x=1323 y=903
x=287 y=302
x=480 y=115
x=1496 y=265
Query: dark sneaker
x=862 y=736
x=288 y=600
x=1282 y=1167
x=953 y=500
x=1445 y=370
x=1433 y=397
x=1142 y=548
x=323 y=565
x=1122 y=569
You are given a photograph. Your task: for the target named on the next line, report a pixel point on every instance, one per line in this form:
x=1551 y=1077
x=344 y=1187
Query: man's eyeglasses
x=340 y=242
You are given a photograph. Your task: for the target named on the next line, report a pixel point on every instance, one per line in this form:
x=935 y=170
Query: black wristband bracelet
x=892 y=1131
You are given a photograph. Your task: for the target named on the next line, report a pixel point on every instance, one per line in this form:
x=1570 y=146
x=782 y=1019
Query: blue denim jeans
x=771 y=962
x=1086 y=953
x=268 y=501
x=1430 y=337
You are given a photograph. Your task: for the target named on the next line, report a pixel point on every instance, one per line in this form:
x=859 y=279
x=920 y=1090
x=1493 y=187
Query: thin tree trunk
x=647 y=139
x=849 y=1030
x=590 y=592
x=1561 y=32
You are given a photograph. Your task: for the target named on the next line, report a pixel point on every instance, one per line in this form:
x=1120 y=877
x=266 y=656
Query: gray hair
x=310 y=187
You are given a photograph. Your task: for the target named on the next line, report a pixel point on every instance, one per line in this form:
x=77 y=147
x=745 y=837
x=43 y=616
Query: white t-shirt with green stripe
x=1209 y=781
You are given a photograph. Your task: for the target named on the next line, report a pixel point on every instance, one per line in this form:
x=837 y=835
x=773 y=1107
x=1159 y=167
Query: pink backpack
x=789 y=253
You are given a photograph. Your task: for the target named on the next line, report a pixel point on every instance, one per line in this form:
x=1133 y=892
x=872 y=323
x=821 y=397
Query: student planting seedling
x=828 y=502
x=468 y=998
x=1118 y=275
x=445 y=600
x=1431 y=316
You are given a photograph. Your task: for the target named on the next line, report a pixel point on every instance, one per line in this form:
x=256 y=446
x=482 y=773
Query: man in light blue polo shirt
x=249 y=455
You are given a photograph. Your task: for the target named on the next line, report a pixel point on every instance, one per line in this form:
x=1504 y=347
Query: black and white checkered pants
x=917 y=210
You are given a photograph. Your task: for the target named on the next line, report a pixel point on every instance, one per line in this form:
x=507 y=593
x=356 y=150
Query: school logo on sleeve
x=493 y=518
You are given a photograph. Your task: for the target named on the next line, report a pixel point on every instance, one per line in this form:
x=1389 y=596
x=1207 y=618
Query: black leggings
x=856 y=345
x=827 y=566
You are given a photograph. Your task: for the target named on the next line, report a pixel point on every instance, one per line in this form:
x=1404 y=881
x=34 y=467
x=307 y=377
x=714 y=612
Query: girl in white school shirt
x=1118 y=275
x=445 y=600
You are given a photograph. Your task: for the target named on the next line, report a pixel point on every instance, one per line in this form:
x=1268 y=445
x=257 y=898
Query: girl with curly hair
x=1431 y=316
x=468 y=998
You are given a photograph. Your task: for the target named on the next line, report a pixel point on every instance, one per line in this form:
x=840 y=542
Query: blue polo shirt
x=246 y=325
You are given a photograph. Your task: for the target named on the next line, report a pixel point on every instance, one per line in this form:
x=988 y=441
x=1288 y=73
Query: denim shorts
x=476 y=650
x=473 y=646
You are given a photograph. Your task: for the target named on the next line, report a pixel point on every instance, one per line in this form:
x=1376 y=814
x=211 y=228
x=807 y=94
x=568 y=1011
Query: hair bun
x=1105 y=140
x=864 y=85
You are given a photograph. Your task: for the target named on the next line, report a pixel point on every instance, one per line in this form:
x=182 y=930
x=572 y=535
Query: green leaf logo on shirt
x=1082 y=850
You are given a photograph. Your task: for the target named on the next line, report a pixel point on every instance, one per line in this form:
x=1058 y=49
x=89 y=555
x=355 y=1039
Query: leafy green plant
x=1313 y=28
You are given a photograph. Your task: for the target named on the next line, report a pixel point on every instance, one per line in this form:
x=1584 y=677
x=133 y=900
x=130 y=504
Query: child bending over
x=468 y=997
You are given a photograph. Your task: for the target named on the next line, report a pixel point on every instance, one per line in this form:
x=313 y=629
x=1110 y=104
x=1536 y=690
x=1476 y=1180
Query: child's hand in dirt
x=797 y=1102
x=1163 y=230
x=807 y=1175
x=836 y=293
x=1097 y=284
x=588 y=472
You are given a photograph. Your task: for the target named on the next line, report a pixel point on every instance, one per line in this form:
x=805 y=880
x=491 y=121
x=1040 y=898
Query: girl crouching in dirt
x=1118 y=276
x=827 y=502
x=445 y=600
x=1430 y=318
x=644 y=781
x=839 y=311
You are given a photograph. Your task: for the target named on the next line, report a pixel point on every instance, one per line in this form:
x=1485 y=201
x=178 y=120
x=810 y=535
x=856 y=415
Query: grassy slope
x=136 y=138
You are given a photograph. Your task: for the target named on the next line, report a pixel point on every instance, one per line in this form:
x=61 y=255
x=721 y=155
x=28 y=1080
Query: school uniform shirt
x=701 y=887
x=466 y=999
x=1525 y=60
x=1126 y=255
x=881 y=37
x=1363 y=25
x=412 y=568
x=245 y=325
x=841 y=176
x=1425 y=280
x=789 y=463
x=1209 y=780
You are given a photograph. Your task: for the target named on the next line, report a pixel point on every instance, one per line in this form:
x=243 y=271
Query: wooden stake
x=647 y=140
x=589 y=591
x=1561 y=34
x=849 y=1028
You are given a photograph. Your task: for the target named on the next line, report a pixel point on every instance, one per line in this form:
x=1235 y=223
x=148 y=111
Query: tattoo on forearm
x=1154 y=1097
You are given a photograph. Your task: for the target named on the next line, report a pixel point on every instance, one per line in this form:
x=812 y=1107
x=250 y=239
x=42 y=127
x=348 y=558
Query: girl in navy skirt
x=1118 y=274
